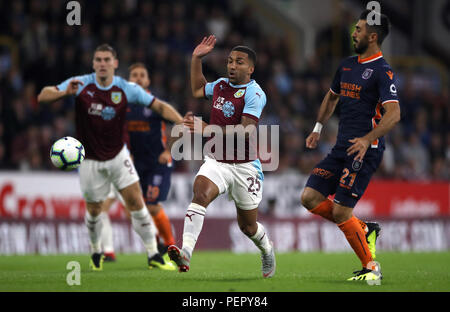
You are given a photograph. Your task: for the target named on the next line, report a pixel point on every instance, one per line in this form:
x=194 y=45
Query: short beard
x=363 y=45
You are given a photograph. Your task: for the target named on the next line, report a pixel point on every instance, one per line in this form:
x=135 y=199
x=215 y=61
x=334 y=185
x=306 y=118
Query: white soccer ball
x=67 y=153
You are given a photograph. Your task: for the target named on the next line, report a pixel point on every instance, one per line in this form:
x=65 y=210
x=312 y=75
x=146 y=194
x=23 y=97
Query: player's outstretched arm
x=166 y=111
x=198 y=80
x=51 y=93
x=325 y=111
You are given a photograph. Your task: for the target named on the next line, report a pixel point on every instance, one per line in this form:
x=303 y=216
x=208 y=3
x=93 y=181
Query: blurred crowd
x=38 y=48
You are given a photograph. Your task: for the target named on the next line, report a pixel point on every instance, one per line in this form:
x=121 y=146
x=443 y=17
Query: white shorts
x=97 y=176
x=243 y=182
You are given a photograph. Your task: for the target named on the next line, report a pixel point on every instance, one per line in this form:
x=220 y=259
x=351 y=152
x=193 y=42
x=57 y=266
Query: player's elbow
x=198 y=93
x=396 y=114
x=41 y=98
x=44 y=95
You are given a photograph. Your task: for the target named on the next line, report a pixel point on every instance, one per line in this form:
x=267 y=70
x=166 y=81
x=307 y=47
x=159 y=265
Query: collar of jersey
x=240 y=86
x=104 y=88
x=371 y=58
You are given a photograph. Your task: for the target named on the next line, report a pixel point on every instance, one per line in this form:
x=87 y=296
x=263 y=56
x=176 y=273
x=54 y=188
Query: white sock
x=193 y=223
x=261 y=239
x=107 y=234
x=144 y=227
x=94 y=226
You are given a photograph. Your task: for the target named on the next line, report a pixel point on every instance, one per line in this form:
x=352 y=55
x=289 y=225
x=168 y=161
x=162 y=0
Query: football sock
x=357 y=238
x=143 y=226
x=363 y=225
x=162 y=223
x=193 y=223
x=107 y=234
x=94 y=225
x=261 y=239
x=324 y=209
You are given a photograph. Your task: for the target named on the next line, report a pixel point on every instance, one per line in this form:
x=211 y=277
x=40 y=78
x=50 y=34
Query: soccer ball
x=67 y=153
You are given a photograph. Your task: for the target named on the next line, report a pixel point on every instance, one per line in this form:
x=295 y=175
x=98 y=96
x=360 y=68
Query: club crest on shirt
x=228 y=109
x=116 y=97
x=239 y=93
x=367 y=73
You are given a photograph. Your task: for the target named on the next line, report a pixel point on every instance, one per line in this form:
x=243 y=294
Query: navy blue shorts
x=155 y=183
x=342 y=175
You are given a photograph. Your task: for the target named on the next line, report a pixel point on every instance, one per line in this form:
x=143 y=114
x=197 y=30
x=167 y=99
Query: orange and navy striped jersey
x=364 y=86
x=147 y=136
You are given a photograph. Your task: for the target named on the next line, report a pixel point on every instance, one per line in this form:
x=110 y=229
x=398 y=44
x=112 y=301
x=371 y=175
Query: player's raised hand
x=205 y=46
x=360 y=146
x=72 y=88
x=312 y=140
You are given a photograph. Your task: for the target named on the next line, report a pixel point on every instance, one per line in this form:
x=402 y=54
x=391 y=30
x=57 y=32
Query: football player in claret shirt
x=236 y=100
x=101 y=102
x=149 y=148
x=365 y=87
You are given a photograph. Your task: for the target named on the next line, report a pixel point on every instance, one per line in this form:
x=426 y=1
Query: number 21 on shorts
x=347 y=179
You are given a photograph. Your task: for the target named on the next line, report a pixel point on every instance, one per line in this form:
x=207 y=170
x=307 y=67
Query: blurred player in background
x=364 y=85
x=151 y=155
x=101 y=102
x=237 y=100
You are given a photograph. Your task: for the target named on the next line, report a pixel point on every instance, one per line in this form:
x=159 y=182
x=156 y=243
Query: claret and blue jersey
x=364 y=86
x=100 y=113
x=230 y=103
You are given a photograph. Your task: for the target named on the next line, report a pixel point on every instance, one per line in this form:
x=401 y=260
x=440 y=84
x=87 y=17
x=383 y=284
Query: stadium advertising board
x=43 y=213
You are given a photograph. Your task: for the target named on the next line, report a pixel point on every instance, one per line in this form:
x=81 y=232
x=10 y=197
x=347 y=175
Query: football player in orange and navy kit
x=365 y=88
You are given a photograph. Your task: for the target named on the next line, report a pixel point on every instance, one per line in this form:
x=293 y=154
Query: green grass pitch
x=223 y=271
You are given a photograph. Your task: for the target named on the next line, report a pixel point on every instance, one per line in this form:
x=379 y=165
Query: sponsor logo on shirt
x=218 y=103
x=351 y=90
x=393 y=90
x=95 y=109
x=108 y=113
x=228 y=109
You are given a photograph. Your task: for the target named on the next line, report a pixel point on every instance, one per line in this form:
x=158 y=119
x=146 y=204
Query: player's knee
x=341 y=214
x=133 y=203
x=201 y=197
x=308 y=199
x=248 y=229
x=94 y=209
x=154 y=208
